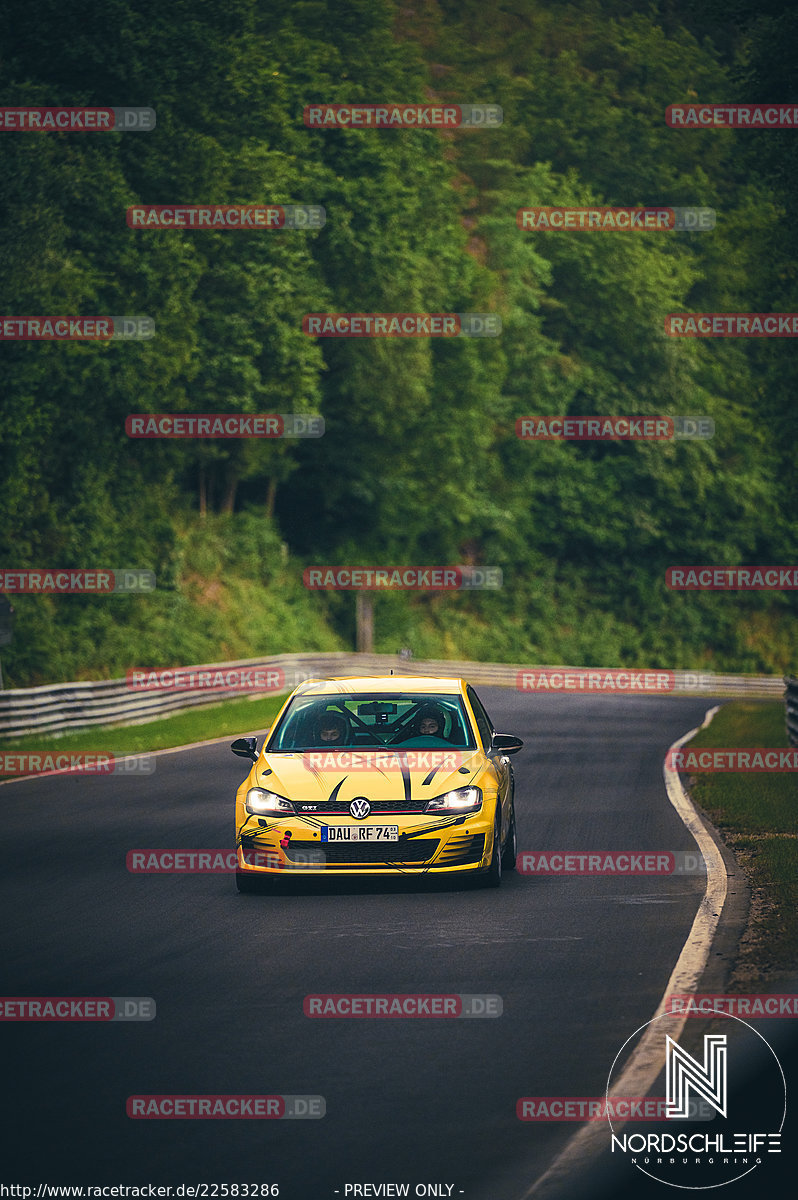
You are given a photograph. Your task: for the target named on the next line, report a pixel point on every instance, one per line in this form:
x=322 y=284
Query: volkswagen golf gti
x=390 y=775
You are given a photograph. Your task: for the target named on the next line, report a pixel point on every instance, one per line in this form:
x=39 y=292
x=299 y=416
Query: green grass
x=231 y=718
x=749 y=803
x=758 y=817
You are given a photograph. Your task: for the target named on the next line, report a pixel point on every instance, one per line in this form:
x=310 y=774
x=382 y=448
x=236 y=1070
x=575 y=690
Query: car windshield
x=407 y=720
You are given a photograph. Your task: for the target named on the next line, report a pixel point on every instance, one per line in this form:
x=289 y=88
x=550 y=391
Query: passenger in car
x=331 y=730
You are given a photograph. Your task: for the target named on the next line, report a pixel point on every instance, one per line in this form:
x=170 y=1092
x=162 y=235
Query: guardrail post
x=791 y=705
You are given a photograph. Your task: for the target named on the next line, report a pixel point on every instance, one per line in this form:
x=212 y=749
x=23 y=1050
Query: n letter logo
x=682 y=1073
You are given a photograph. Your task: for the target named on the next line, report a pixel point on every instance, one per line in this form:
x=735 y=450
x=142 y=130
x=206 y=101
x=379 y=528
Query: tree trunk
x=270 y=497
x=230 y=494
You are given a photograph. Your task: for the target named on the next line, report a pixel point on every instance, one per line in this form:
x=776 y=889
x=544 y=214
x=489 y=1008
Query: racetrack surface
x=579 y=962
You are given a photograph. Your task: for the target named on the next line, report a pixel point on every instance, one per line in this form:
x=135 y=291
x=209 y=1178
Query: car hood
x=316 y=777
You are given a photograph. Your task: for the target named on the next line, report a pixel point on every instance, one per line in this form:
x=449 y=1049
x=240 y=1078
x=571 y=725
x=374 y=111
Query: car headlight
x=264 y=803
x=467 y=799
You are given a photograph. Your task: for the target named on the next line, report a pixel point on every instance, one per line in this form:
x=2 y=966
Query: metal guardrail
x=59 y=707
x=686 y=683
x=791 y=704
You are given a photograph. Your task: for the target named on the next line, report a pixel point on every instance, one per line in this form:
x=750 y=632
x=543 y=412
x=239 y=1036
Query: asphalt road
x=579 y=963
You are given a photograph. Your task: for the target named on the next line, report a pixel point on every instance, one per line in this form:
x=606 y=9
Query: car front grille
x=416 y=850
x=341 y=807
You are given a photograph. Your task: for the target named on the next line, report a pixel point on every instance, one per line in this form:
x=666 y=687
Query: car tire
x=493 y=876
x=510 y=852
x=249 y=884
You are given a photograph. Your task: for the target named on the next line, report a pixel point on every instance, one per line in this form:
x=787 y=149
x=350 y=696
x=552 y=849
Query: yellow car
x=398 y=775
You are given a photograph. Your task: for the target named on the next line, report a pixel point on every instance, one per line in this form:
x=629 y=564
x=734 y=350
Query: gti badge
x=360 y=808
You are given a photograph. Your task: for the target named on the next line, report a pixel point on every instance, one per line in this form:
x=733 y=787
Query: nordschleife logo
x=726 y=1101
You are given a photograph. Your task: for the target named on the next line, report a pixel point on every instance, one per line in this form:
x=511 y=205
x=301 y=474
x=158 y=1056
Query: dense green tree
x=420 y=461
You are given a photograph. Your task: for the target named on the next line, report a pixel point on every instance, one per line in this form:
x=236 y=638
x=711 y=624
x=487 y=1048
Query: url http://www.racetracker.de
x=194 y=1191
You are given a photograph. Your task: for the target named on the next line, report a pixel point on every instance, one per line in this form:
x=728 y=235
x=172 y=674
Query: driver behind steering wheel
x=427 y=726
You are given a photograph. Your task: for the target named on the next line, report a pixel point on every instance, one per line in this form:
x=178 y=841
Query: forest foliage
x=420 y=462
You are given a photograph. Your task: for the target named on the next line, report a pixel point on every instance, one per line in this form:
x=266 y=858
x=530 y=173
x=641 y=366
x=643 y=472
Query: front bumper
x=459 y=844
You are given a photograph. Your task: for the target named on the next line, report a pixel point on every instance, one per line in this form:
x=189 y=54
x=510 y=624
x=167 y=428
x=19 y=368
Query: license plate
x=360 y=833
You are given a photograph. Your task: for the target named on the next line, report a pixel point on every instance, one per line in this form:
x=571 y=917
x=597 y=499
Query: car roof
x=380 y=683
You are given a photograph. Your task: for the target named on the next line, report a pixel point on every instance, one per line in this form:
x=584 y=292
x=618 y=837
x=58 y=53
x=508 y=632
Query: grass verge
x=757 y=814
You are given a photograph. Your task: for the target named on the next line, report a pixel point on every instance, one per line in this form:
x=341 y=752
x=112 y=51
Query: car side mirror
x=246 y=748
x=506 y=743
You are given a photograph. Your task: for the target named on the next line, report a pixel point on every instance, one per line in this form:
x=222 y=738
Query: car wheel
x=253 y=885
x=493 y=876
x=511 y=845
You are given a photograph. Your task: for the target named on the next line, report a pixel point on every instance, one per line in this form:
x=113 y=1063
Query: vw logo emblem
x=360 y=808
